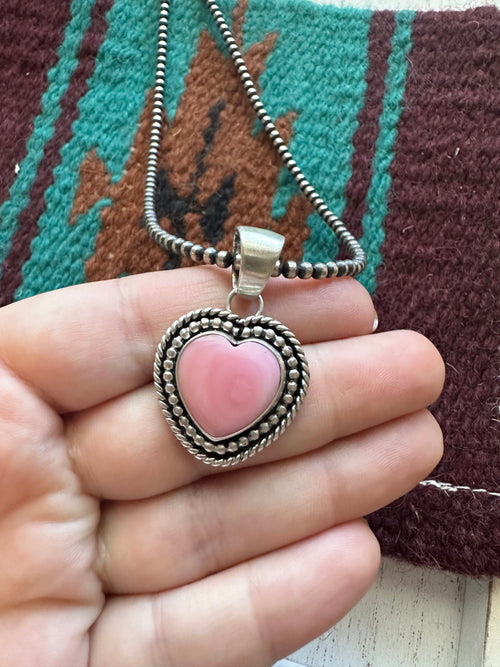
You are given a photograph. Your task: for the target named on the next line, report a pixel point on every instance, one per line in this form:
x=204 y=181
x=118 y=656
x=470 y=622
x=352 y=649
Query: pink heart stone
x=227 y=387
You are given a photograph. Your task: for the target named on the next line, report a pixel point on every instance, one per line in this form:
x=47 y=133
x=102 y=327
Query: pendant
x=229 y=386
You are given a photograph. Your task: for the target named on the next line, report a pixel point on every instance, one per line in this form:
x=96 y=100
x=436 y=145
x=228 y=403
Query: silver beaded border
x=209 y=255
x=273 y=423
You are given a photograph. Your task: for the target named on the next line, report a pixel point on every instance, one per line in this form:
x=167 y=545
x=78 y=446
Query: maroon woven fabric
x=440 y=276
x=28 y=219
x=30 y=33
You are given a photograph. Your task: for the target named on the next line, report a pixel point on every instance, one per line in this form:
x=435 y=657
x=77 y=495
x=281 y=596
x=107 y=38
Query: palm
x=119 y=549
x=50 y=593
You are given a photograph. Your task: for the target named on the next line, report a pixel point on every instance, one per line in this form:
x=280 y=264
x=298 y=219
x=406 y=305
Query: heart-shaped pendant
x=229 y=386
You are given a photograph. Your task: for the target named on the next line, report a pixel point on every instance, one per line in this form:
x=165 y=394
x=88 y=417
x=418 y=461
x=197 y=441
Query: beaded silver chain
x=209 y=255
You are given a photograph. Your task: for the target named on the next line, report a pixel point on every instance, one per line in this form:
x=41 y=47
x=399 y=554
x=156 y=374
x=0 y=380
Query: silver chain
x=222 y=258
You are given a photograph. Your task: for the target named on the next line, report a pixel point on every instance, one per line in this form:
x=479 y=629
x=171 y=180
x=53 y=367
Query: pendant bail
x=258 y=251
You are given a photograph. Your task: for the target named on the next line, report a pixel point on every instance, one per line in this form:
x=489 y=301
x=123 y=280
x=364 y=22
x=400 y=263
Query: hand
x=119 y=549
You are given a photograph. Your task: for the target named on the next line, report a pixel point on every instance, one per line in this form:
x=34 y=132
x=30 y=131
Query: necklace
x=230 y=386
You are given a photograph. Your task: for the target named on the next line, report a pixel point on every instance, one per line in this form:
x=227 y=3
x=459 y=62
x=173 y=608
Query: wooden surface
x=412 y=617
x=492 y=648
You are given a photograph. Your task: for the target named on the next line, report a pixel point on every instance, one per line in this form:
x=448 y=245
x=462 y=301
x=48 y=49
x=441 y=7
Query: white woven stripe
x=445 y=486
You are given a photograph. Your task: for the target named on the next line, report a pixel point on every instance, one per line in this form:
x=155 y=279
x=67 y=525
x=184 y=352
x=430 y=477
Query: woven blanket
x=395 y=117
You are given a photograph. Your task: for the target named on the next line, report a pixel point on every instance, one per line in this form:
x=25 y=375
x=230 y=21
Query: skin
x=119 y=549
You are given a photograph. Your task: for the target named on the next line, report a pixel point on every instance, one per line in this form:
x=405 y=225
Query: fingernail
x=375 y=323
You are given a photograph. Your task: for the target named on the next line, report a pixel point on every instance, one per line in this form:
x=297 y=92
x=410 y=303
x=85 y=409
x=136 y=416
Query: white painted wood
x=473 y=627
x=492 y=648
x=412 y=617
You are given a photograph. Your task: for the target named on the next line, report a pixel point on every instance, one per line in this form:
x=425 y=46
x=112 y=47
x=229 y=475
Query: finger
x=249 y=615
x=30 y=449
x=85 y=344
x=124 y=449
x=171 y=540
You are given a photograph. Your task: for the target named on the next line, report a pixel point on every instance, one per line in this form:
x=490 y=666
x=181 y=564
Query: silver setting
x=238 y=447
x=259 y=249
x=234 y=292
